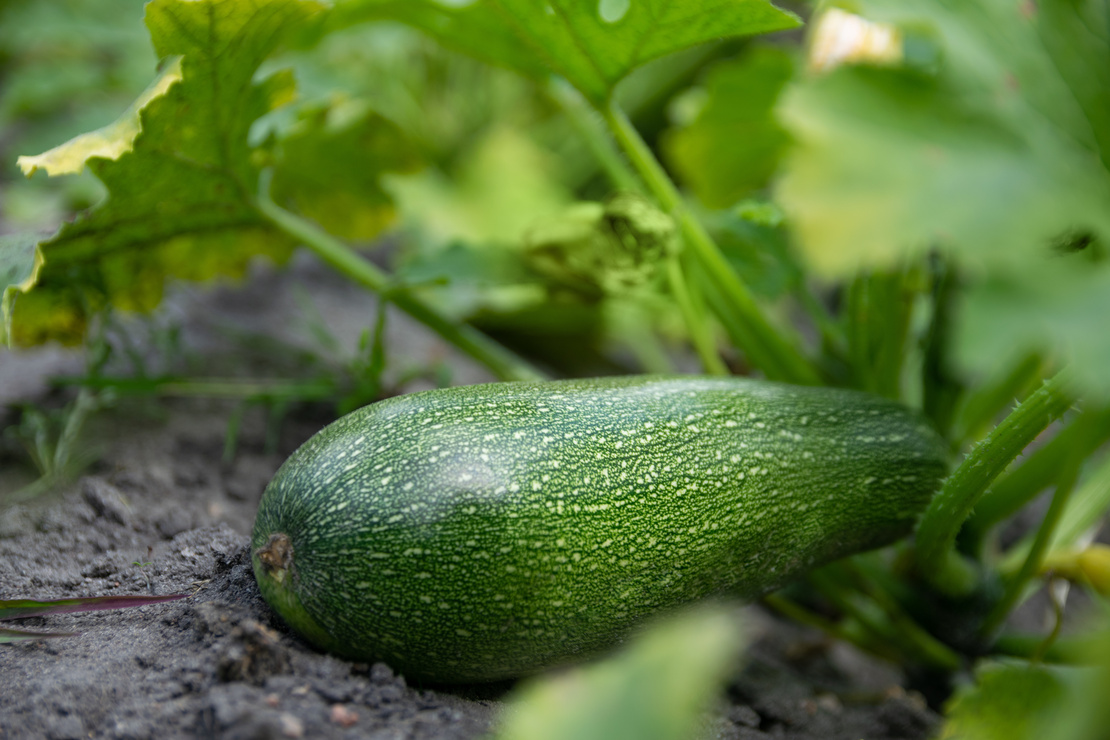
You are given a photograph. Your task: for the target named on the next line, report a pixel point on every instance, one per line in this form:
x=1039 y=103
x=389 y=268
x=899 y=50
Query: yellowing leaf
x=181 y=188
x=109 y=142
x=19 y=265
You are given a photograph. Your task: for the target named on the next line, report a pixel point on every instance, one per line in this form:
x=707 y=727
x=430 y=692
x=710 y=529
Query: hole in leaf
x=612 y=11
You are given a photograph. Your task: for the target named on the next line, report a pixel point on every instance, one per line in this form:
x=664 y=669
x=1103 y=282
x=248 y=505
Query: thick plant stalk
x=765 y=345
x=937 y=559
x=501 y=361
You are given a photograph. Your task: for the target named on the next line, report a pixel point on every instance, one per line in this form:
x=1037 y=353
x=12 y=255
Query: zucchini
x=483 y=532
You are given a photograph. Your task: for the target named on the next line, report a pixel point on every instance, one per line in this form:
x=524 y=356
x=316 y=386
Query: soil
x=159 y=512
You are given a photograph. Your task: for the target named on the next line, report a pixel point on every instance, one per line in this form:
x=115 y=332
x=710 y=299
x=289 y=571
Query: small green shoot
x=52 y=441
x=142 y=565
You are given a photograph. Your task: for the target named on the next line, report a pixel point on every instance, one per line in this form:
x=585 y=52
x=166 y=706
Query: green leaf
x=1001 y=150
x=181 y=182
x=1022 y=701
x=331 y=165
x=1008 y=702
x=591 y=43
x=734 y=144
x=751 y=237
x=656 y=689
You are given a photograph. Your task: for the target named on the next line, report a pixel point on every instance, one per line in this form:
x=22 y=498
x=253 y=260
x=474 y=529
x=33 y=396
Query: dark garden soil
x=159 y=512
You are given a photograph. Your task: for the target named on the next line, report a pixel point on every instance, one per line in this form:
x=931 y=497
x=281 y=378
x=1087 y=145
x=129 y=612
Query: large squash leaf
x=593 y=44
x=1003 y=148
x=996 y=152
x=178 y=170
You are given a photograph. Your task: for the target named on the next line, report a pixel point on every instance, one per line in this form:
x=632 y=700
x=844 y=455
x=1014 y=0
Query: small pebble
x=342 y=716
x=291 y=726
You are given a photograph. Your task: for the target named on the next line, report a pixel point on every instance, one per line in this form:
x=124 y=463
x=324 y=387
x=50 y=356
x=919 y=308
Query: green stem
x=502 y=362
x=937 y=560
x=590 y=129
x=766 y=346
x=1032 y=565
x=801 y=615
x=1068 y=650
x=941 y=388
x=926 y=647
x=863 y=610
x=695 y=320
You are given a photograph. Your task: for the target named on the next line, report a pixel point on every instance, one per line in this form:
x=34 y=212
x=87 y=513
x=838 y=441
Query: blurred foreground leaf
x=1023 y=701
x=1007 y=702
x=593 y=45
x=656 y=689
x=996 y=151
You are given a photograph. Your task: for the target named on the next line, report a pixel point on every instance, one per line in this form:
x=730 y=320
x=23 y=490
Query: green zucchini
x=490 y=531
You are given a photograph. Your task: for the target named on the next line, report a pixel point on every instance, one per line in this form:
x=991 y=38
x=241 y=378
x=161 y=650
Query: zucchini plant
x=621 y=187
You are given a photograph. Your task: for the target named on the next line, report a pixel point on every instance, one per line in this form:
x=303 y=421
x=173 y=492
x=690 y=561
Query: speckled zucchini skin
x=483 y=532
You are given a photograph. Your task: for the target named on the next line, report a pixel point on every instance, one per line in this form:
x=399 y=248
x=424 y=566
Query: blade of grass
x=20 y=608
x=12 y=635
